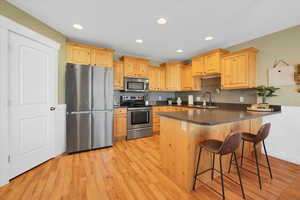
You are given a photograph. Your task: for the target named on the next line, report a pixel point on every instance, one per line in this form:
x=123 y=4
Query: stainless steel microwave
x=136 y=84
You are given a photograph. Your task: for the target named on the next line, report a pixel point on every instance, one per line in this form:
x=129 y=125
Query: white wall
x=60 y=130
x=284 y=139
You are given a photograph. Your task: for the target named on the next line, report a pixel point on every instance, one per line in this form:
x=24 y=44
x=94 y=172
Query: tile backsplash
x=223 y=96
x=211 y=84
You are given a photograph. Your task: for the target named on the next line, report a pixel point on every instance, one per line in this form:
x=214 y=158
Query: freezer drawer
x=102 y=129
x=79 y=132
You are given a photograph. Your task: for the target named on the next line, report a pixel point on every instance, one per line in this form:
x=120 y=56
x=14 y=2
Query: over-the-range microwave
x=136 y=84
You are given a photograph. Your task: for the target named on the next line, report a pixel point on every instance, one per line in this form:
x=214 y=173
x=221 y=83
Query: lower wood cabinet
x=120 y=123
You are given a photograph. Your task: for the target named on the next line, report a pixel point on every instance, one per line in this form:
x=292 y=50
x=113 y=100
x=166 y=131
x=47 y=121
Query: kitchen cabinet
x=135 y=67
x=156 y=76
x=102 y=57
x=209 y=63
x=120 y=123
x=198 y=68
x=89 y=55
x=118 y=75
x=78 y=53
x=188 y=82
x=173 y=76
x=239 y=69
x=154 y=82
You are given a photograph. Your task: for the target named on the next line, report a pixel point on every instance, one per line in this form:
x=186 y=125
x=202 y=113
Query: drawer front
x=120 y=110
x=156 y=119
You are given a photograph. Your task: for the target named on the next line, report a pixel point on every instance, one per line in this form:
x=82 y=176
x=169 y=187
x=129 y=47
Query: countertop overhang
x=211 y=117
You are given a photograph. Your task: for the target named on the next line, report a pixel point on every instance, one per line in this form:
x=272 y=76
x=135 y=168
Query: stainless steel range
x=139 y=119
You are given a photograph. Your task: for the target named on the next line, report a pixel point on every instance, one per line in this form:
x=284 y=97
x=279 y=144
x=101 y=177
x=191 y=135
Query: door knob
x=52 y=108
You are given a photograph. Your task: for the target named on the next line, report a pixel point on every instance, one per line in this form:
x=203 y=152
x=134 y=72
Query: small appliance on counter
x=191 y=99
x=139 y=117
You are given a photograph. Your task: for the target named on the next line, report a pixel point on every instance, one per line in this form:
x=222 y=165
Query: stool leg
x=266 y=154
x=213 y=167
x=230 y=163
x=257 y=166
x=222 y=181
x=239 y=174
x=195 y=178
x=242 y=153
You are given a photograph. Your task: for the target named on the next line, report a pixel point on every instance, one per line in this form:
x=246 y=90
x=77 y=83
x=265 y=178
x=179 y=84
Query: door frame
x=7 y=25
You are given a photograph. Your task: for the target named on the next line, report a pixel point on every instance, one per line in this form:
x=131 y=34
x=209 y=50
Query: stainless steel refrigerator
x=89 y=98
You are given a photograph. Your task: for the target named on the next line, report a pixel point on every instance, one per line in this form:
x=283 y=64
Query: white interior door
x=31 y=94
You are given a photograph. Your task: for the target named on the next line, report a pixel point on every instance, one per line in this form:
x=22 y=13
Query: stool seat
x=212 y=146
x=248 y=137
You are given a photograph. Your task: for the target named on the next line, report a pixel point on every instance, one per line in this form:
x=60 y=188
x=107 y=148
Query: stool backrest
x=263 y=132
x=230 y=144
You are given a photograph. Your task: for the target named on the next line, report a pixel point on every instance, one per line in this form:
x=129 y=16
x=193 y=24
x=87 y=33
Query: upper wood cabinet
x=208 y=63
x=173 y=76
x=102 y=57
x=118 y=75
x=135 y=67
x=188 y=82
x=239 y=69
x=156 y=76
x=78 y=53
x=89 y=55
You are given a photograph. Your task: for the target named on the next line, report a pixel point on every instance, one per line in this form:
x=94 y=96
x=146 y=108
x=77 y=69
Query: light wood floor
x=131 y=170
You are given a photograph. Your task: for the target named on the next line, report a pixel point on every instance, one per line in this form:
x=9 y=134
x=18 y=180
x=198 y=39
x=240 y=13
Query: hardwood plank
x=132 y=170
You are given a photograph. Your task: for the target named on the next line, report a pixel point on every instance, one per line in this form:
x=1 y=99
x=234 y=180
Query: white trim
x=4 y=151
x=18 y=28
x=7 y=25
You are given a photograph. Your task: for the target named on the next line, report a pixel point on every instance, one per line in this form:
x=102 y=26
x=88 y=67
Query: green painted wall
x=280 y=45
x=10 y=11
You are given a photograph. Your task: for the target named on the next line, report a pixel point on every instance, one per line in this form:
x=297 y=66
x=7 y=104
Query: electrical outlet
x=242 y=99
x=198 y=98
x=159 y=98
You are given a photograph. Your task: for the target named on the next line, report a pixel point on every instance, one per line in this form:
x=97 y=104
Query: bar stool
x=262 y=134
x=230 y=144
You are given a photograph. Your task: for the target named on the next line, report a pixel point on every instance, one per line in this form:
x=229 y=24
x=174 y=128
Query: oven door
x=136 y=84
x=139 y=118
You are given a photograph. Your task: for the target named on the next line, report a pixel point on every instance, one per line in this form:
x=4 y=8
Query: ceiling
x=117 y=23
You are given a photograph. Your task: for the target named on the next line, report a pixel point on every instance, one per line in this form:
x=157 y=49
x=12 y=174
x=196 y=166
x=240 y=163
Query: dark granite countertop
x=215 y=116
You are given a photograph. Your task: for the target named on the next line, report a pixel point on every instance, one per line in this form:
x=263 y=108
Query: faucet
x=210 y=98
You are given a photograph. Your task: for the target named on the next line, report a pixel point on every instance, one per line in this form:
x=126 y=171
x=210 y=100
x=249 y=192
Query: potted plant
x=266 y=91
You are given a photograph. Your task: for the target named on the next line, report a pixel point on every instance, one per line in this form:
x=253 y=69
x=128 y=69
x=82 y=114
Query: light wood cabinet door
x=129 y=67
x=78 y=54
x=239 y=69
x=173 y=76
x=118 y=75
x=212 y=64
x=142 y=71
x=198 y=67
x=102 y=57
x=153 y=78
x=120 y=122
x=186 y=78
x=162 y=78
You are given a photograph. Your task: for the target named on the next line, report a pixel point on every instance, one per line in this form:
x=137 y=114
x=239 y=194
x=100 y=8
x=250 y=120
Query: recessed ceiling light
x=77 y=26
x=162 y=21
x=209 y=38
x=139 y=41
x=179 y=50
